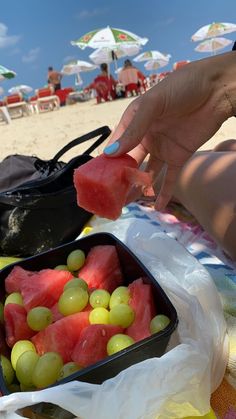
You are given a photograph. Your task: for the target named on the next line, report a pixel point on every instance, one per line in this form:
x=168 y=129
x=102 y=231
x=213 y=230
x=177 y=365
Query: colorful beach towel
x=179 y=224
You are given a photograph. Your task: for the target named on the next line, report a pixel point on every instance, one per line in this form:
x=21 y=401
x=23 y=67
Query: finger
x=167 y=187
x=136 y=128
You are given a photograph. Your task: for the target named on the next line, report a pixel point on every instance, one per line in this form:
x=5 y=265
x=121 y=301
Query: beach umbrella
x=151 y=55
x=22 y=88
x=108 y=37
x=5 y=73
x=213 y=29
x=107 y=55
x=77 y=66
x=213 y=45
x=155 y=64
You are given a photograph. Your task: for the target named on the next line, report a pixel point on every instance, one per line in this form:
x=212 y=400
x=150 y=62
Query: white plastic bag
x=179 y=383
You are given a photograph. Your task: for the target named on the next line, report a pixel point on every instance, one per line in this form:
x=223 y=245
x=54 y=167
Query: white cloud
x=5 y=39
x=88 y=14
x=31 y=55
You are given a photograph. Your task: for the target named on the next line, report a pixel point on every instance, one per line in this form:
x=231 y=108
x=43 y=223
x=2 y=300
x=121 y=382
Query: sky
x=35 y=34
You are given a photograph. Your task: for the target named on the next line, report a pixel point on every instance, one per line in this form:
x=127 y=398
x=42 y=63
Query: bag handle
x=104 y=132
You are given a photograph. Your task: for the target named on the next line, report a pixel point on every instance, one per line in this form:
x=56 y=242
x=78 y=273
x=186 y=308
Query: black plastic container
x=153 y=346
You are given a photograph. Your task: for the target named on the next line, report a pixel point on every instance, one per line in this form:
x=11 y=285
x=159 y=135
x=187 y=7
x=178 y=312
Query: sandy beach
x=45 y=133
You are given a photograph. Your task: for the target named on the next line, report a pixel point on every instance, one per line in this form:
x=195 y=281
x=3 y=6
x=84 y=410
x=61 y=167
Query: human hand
x=173 y=119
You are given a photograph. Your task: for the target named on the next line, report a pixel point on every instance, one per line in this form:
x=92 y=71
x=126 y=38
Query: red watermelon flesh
x=44 y=288
x=102 y=185
x=14 y=279
x=16 y=324
x=62 y=335
x=102 y=268
x=92 y=344
x=141 y=300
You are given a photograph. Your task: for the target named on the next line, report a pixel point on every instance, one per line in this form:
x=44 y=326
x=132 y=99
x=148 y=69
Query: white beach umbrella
x=151 y=55
x=108 y=37
x=107 y=55
x=77 y=66
x=22 y=88
x=155 y=64
x=213 y=29
x=213 y=45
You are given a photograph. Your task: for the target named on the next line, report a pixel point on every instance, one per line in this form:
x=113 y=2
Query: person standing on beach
x=54 y=78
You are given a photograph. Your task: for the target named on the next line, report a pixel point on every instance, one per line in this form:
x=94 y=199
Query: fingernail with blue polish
x=112 y=148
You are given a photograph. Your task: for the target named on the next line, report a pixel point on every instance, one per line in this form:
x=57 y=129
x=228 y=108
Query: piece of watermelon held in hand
x=103 y=183
x=102 y=268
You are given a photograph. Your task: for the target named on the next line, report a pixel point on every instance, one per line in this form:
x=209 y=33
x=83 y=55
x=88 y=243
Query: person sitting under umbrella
x=104 y=85
x=130 y=78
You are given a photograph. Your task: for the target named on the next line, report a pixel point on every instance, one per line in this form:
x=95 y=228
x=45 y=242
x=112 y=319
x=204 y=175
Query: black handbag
x=38 y=208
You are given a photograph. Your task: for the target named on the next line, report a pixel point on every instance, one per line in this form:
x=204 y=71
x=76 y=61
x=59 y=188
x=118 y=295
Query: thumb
x=135 y=130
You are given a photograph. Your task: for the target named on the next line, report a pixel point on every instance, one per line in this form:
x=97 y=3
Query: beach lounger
x=4 y=114
x=46 y=99
x=16 y=105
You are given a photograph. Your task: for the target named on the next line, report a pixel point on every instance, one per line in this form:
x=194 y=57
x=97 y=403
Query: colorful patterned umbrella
x=22 y=88
x=213 y=45
x=107 y=55
x=5 y=73
x=108 y=37
x=212 y=30
x=152 y=55
x=75 y=67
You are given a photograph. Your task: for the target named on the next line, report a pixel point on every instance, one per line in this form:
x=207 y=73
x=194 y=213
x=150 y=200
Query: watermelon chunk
x=43 y=288
x=102 y=268
x=16 y=324
x=14 y=279
x=62 y=335
x=141 y=300
x=102 y=184
x=92 y=344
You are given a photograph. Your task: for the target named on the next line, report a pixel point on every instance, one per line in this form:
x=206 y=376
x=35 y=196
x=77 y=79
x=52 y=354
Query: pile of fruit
x=58 y=321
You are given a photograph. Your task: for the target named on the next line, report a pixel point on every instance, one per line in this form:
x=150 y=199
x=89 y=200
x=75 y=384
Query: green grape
x=99 y=298
x=72 y=301
x=14 y=298
x=68 y=369
x=75 y=260
x=39 y=317
x=1 y=312
x=7 y=370
x=61 y=268
x=99 y=315
x=76 y=282
x=18 y=349
x=47 y=369
x=25 y=366
x=120 y=295
x=121 y=315
x=118 y=342
x=159 y=323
